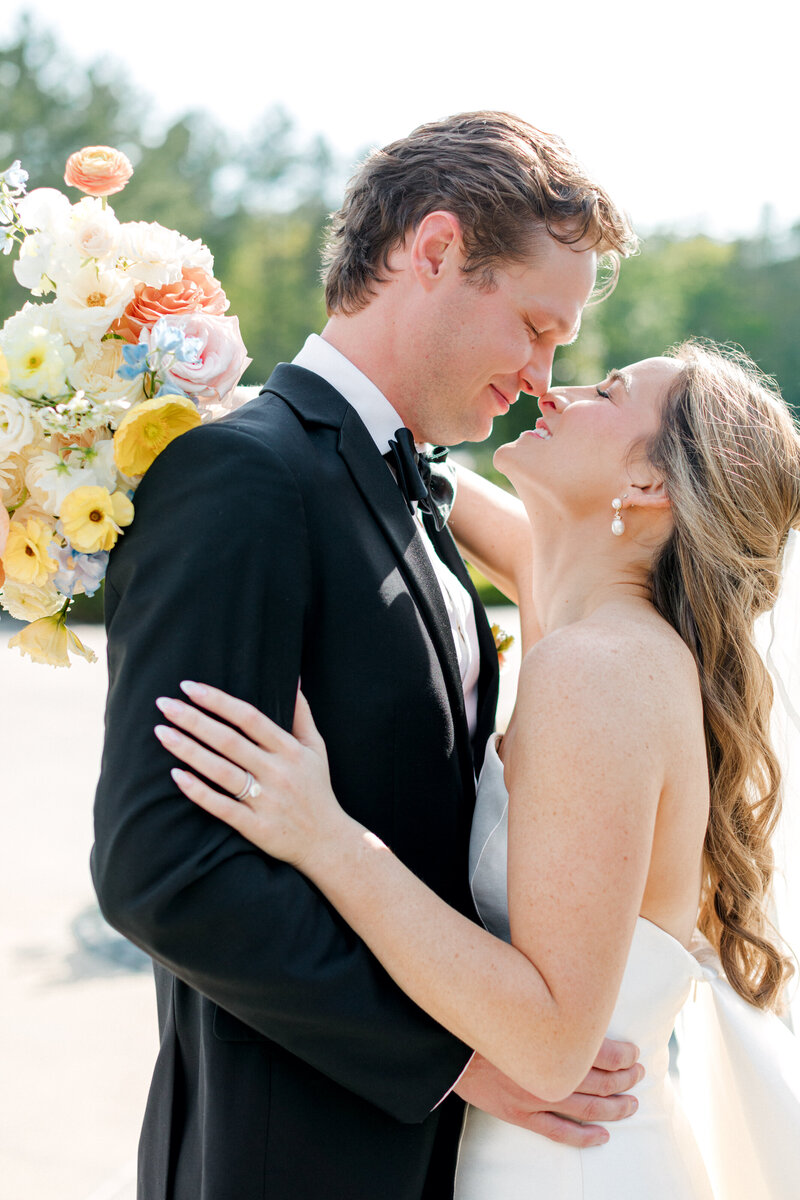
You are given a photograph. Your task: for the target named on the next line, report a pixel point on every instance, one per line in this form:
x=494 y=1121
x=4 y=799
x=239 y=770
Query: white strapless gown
x=735 y=1132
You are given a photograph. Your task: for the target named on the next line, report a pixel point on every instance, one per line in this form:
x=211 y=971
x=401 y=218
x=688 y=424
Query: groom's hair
x=506 y=183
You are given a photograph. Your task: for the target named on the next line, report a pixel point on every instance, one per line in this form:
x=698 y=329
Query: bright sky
x=687 y=112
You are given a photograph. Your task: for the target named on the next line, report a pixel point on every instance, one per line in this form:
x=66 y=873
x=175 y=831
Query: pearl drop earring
x=617 y=525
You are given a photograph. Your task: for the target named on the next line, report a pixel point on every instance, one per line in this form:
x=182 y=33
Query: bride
x=633 y=796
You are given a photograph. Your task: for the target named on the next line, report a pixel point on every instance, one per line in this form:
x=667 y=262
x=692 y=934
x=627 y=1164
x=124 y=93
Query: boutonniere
x=503 y=642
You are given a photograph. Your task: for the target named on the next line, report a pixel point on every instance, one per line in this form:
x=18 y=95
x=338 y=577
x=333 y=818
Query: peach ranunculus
x=221 y=362
x=195 y=291
x=98 y=170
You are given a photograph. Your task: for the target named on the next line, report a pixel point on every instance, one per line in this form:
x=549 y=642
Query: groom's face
x=481 y=347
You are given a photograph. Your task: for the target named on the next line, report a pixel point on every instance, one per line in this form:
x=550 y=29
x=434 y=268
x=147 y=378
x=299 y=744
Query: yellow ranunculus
x=26 y=557
x=48 y=641
x=92 y=518
x=5 y=374
x=148 y=428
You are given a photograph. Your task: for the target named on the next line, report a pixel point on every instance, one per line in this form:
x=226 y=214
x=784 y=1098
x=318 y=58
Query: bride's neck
x=578 y=566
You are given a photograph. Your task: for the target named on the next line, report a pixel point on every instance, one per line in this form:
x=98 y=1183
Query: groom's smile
x=477 y=346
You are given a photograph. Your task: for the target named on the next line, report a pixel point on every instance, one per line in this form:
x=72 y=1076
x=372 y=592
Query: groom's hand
x=599 y=1098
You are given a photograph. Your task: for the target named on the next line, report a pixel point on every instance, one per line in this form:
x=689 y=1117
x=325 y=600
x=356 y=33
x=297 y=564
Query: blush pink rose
x=197 y=291
x=222 y=358
x=98 y=170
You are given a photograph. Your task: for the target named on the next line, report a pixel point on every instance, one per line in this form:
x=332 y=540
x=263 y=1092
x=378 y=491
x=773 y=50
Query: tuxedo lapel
x=316 y=402
x=381 y=494
x=489 y=678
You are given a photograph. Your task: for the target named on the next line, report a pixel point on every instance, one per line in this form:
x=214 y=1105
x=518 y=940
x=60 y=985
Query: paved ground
x=78 y=1035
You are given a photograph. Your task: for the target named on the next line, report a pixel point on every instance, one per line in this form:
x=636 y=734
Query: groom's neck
x=366 y=340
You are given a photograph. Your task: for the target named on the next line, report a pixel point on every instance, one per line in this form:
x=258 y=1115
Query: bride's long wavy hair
x=729 y=452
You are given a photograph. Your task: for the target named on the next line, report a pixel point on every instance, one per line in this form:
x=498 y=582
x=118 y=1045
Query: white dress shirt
x=382 y=422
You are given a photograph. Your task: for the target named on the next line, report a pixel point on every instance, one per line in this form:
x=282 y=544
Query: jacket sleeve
x=212 y=582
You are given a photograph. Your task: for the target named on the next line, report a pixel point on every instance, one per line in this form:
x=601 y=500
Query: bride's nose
x=556 y=400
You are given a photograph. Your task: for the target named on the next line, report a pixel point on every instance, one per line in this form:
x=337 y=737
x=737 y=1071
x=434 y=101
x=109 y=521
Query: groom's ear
x=436 y=248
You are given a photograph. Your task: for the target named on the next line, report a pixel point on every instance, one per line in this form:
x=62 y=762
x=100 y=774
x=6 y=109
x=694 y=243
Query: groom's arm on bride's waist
x=213 y=581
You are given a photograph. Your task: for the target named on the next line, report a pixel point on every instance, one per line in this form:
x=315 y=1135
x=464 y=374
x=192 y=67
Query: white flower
x=64 y=238
x=18 y=326
x=95 y=230
x=96 y=375
x=14 y=177
x=28 y=603
x=46 y=209
x=51 y=477
x=12 y=480
x=37 y=263
x=156 y=256
x=89 y=301
x=38 y=357
x=17 y=427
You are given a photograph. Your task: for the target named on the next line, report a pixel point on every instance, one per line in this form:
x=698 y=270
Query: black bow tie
x=424 y=478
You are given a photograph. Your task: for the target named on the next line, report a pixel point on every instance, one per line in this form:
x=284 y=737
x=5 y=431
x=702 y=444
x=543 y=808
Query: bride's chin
x=503 y=456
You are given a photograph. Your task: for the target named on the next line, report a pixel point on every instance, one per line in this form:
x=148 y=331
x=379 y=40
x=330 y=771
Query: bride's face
x=582 y=449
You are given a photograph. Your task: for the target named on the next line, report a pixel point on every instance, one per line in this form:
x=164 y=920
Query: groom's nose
x=537 y=373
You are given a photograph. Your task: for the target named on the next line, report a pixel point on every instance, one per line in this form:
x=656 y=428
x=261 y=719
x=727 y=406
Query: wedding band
x=250 y=790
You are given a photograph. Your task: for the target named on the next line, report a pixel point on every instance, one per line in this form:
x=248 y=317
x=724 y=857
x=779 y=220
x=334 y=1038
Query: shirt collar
x=381 y=420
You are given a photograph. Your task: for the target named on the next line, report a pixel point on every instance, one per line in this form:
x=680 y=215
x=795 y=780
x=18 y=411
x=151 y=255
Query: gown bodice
x=653 y=1155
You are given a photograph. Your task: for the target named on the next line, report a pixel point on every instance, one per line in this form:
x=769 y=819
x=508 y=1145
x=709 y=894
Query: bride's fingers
x=219 y=770
x=303 y=727
x=213 y=734
x=237 y=815
x=258 y=727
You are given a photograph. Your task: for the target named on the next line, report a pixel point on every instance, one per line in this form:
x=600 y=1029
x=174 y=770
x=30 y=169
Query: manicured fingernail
x=168 y=705
x=178 y=775
x=167 y=735
x=633 y=1104
x=195 y=690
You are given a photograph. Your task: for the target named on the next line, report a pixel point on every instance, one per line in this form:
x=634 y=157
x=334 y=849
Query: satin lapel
x=489 y=678
x=381 y=494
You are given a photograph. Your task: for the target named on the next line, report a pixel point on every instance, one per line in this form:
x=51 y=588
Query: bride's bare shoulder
x=622 y=659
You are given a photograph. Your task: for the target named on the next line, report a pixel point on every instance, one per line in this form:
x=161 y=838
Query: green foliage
x=744 y=292
x=260 y=203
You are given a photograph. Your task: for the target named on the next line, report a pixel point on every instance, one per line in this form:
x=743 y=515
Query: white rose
x=156 y=256
x=28 y=603
x=17 y=426
x=95 y=230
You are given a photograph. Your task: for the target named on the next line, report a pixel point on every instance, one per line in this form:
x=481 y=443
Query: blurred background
x=244 y=125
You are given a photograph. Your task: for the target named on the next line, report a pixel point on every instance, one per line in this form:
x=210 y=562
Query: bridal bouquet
x=131 y=351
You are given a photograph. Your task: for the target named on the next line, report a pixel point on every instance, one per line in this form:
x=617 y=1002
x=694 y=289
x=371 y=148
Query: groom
x=276 y=545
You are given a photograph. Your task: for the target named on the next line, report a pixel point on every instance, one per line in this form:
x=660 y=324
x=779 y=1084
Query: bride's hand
x=290 y=810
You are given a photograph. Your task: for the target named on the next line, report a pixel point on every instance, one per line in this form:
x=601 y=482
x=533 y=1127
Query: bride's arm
x=492 y=531
x=583 y=809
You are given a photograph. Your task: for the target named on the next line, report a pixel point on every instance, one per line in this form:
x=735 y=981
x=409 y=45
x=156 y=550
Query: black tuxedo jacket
x=269 y=546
